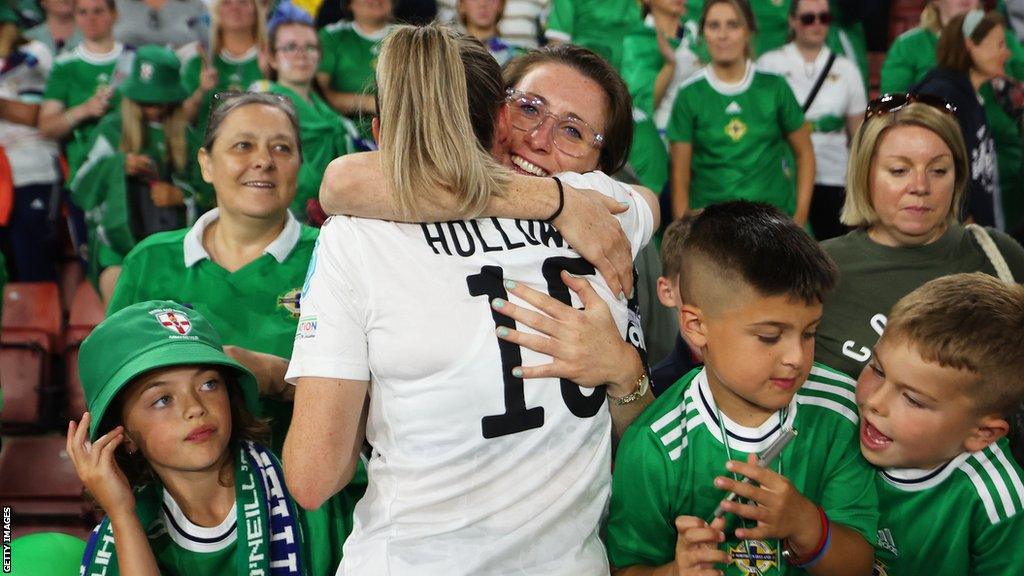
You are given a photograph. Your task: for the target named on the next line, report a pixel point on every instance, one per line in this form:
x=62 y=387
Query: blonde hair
x=857 y=208
x=969 y=322
x=258 y=32
x=133 y=132
x=437 y=94
x=930 y=18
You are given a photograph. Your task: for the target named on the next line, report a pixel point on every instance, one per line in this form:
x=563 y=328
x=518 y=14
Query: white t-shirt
x=23 y=77
x=473 y=471
x=840 y=96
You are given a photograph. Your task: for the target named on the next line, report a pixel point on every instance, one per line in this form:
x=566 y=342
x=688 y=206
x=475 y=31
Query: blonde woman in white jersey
x=473 y=470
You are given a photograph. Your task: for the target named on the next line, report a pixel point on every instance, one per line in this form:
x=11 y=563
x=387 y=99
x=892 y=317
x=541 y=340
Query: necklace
x=750 y=550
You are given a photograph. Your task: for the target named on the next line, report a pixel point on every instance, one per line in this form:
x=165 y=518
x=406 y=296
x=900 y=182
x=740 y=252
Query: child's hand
x=697 y=550
x=97 y=468
x=780 y=510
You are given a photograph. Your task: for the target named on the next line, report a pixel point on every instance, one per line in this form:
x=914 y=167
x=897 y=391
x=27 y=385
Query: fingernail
x=517 y=372
x=632 y=292
x=498 y=303
x=624 y=204
x=622 y=296
x=502 y=332
x=510 y=285
x=729 y=465
x=719 y=482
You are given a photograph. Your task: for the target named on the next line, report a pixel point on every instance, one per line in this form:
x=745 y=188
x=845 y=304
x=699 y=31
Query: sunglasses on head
x=808 y=18
x=887 y=103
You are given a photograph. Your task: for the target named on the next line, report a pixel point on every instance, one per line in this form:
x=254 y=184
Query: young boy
x=934 y=402
x=751 y=288
x=682 y=358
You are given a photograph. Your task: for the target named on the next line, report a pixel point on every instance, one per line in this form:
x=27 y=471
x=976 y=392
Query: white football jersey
x=473 y=471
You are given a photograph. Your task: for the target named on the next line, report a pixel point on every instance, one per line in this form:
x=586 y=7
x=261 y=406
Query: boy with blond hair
x=682 y=358
x=751 y=287
x=934 y=401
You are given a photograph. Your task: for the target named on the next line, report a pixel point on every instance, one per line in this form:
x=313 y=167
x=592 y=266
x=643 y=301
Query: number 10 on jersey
x=517 y=417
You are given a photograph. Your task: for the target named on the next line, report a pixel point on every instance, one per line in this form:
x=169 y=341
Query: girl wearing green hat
x=325 y=135
x=170 y=451
x=131 y=183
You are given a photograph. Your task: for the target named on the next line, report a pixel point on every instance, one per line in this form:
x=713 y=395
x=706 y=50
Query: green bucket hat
x=146 y=336
x=155 y=77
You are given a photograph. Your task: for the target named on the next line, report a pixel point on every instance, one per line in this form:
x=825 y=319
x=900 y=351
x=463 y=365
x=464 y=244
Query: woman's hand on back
x=588 y=223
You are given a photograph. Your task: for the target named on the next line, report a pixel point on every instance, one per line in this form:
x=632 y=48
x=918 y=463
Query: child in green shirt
x=170 y=450
x=750 y=291
x=934 y=401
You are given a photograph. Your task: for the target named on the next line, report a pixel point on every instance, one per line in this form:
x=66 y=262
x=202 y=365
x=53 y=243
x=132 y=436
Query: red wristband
x=793 y=558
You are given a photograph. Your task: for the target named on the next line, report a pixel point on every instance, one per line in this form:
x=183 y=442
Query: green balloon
x=46 y=554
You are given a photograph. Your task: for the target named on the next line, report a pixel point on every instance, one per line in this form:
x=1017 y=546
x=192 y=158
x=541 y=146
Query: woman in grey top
x=171 y=23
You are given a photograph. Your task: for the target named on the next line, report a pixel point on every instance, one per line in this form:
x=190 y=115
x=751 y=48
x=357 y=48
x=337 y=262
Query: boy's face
x=758 y=351
x=914 y=413
x=179 y=417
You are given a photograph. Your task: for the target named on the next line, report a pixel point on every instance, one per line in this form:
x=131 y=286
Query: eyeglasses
x=571 y=134
x=808 y=18
x=307 y=49
x=887 y=103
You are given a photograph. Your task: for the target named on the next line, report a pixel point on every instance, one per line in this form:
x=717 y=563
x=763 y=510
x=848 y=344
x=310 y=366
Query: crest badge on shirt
x=290 y=301
x=753 y=556
x=736 y=129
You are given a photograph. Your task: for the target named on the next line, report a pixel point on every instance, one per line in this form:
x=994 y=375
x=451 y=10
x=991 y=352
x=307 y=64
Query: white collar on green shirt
x=280 y=248
x=731 y=89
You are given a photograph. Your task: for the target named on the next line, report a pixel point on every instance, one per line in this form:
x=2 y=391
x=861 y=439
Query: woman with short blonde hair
x=907 y=176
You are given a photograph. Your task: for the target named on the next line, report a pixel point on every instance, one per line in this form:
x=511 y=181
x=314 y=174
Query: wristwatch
x=643 y=384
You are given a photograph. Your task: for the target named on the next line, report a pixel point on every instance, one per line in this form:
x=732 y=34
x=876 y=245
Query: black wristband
x=561 y=202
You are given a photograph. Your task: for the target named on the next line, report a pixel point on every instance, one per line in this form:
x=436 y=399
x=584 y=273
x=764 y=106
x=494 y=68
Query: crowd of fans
x=301 y=194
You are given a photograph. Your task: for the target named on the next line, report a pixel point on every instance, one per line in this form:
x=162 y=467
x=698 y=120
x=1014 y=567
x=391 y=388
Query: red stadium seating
x=30 y=331
x=87 y=311
x=39 y=481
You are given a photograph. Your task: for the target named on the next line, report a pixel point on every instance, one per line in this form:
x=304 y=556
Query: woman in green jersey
x=349 y=60
x=229 y=59
x=171 y=451
x=130 y=184
x=660 y=59
x=251 y=250
x=908 y=171
x=913 y=54
x=294 y=58
x=732 y=126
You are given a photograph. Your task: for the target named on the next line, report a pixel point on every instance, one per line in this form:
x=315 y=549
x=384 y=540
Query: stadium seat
x=87 y=311
x=30 y=331
x=39 y=481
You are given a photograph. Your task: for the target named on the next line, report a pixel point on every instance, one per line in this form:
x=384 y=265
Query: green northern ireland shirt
x=964 y=518
x=75 y=77
x=738 y=133
x=599 y=25
x=669 y=457
x=349 y=57
x=872 y=277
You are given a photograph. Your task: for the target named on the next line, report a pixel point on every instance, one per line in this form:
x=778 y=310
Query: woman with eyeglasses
x=660 y=59
x=131 y=182
x=732 y=124
x=971 y=52
x=325 y=135
x=831 y=92
x=467 y=455
x=349 y=57
x=170 y=23
x=909 y=170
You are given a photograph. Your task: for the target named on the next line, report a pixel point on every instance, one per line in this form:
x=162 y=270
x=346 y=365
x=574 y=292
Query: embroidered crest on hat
x=146 y=72
x=174 y=320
